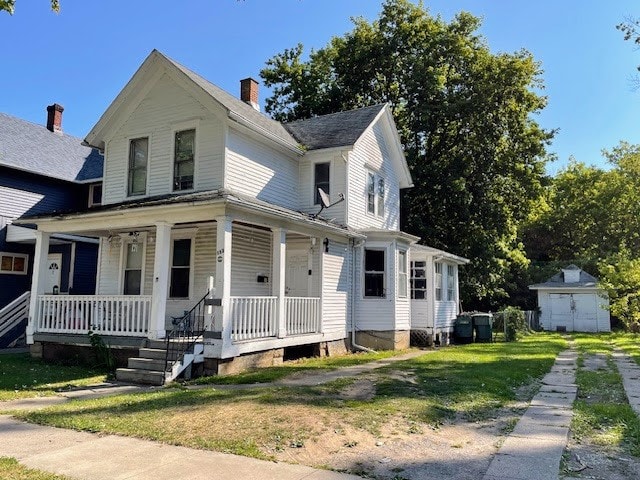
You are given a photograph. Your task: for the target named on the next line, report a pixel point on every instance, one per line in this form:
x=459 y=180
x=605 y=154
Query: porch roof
x=435 y=252
x=220 y=196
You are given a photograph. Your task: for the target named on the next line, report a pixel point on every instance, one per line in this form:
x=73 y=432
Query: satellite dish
x=324 y=198
x=326 y=203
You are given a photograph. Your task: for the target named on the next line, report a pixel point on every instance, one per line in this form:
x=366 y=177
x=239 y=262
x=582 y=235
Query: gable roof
x=32 y=148
x=557 y=281
x=335 y=129
x=236 y=109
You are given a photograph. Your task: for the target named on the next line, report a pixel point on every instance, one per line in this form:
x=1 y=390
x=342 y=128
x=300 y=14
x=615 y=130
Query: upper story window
x=321 y=180
x=138 y=157
x=438 y=281
x=13 y=263
x=184 y=159
x=95 y=194
x=374 y=273
x=419 y=280
x=451 y=278
x=402 y=274
x=375 y=194
x=180 y=268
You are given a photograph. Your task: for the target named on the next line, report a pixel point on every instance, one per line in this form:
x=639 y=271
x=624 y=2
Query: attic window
x=138 y=155
x=95 y=194
x=183 y=166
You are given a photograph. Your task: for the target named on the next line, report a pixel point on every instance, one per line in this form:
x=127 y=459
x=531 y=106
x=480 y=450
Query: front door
x=297 y=274
x=53 y=273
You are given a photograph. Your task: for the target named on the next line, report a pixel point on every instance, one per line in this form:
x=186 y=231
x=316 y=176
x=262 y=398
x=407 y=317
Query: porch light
x=325 y=242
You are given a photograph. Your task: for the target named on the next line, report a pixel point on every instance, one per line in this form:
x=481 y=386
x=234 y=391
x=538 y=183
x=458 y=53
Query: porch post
x=161 y=269
x=222 y=319
x=37 y=280
x=279 y=244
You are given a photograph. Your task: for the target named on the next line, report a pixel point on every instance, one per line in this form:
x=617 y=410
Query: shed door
x=574 y=311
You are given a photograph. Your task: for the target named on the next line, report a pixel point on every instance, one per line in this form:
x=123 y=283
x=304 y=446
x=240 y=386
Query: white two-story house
x=212 y=237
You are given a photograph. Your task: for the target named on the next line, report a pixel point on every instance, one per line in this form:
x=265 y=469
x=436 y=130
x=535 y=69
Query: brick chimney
x=54 y=118
x=249 y=92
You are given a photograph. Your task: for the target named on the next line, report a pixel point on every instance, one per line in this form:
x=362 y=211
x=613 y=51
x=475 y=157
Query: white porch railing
x=126 y=315
x=302 y=315
x=253 y=317
x=13 y=313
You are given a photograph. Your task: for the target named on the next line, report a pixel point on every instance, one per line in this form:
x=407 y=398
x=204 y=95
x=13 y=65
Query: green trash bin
x=463 y=328
x=483 y=325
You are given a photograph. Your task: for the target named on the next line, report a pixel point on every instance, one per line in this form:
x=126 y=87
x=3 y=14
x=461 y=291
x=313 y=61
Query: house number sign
x=219 y=253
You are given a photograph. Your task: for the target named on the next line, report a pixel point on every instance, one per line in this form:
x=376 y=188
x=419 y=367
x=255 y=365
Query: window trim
x=91 y=203
x=451 y=284
x=378 y=209
x=126 y=240
x=384 y=250
x=23 y=256
x=423 y=268
x=404 y=282
x=174 y=131
x=437 y=290
x=131 y=139
x=314 y=188
x=183 y=234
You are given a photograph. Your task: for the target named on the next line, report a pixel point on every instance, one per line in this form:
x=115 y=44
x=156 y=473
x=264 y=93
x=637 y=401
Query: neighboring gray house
x=572 y=301
x=42 y=170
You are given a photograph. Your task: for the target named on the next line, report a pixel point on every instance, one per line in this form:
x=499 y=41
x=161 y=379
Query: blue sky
x=84 y=55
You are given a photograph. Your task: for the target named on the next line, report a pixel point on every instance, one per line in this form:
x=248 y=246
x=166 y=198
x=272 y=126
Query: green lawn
x=22 y=376
x=11 y=469
x=469 y=382
x=602 y=414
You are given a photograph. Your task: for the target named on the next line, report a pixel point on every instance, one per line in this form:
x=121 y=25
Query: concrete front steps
x=148 y=367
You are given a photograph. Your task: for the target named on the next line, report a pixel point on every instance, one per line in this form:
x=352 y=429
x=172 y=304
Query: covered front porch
x=248 y=281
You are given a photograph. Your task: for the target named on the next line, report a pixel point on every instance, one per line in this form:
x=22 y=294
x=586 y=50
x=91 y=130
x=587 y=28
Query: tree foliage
x=9 y=5
x=465 y=119
x=591 y=216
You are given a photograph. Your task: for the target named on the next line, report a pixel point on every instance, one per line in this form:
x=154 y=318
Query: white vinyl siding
x=259 y=171
x=371 y=155
x=15 y=203
x=250 y=257
x=164 y=106
x=336 y=287
x=337 y=183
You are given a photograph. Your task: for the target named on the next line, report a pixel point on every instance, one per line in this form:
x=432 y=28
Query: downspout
x=353 y=300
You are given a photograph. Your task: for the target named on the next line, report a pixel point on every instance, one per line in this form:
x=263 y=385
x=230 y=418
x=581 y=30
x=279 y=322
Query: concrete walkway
x=534 y=449
x=630 y=372
x=81 y=456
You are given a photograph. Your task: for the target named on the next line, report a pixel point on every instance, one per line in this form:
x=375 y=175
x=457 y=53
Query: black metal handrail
x=186 y=331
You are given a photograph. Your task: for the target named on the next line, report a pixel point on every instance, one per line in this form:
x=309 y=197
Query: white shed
x=572 y=301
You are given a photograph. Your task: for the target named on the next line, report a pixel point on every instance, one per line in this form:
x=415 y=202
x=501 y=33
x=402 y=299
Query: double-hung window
x=184 y=159
x=133 y=269
x=438 y=281
x=419 y=280
x=371 y=193
x=321 y=180
x=180 y=268
x=451 y=278
x=375 y=194
x=374 y=273
x=138 y=157
x=402 y=274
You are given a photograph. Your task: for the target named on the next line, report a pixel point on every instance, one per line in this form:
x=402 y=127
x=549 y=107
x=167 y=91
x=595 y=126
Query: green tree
x=9 y=5
x=465 y=118
x=620 y=276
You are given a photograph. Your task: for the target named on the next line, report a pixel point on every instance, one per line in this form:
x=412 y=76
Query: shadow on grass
x=23 y=376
